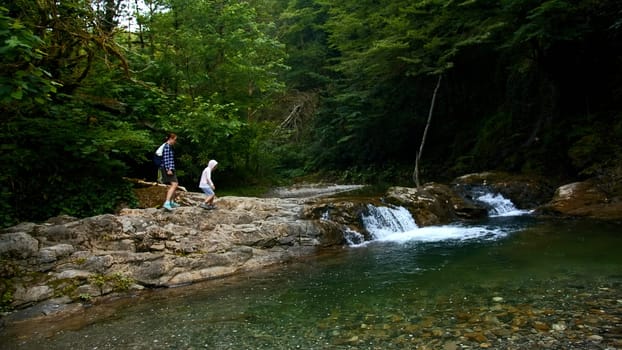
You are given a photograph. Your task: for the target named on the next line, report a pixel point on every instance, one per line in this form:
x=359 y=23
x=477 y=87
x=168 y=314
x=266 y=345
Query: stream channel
x=511 y=281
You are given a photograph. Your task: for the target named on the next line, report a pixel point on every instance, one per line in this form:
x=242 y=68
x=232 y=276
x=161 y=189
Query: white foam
x=395 y=224
x=501 y=206
x=443 y=233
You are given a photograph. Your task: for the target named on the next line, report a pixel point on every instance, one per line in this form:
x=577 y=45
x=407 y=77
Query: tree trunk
x=425 y=132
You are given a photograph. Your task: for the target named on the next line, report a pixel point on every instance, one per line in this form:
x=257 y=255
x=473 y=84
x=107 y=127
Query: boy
x=207 y=186
x=168 y=171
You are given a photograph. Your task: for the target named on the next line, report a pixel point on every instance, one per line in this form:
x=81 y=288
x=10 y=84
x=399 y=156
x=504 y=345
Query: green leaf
x=17 y=94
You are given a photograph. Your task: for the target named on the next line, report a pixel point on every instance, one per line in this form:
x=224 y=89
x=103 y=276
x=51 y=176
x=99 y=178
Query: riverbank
x=66 y=263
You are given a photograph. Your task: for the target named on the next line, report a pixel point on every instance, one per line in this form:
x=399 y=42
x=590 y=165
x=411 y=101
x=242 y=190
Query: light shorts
x=208 y=191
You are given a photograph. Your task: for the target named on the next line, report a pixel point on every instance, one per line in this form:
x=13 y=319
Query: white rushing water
x=444 y=233
x=382 y=221
x=396 y=224
x=500 y=206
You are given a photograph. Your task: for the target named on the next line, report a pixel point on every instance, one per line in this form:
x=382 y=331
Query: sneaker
x=168 y=206
x=204 y=206
x=175 y=204
x=211 y=206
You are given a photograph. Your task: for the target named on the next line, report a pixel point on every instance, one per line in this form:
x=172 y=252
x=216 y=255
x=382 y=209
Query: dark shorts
x=167 y=179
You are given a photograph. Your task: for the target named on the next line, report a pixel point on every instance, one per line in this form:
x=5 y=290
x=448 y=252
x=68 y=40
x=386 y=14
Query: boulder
x=525 y=191
x=18 y=245
x=337 y=216
x=27 y=296
x=434 y=204
x=591 y=199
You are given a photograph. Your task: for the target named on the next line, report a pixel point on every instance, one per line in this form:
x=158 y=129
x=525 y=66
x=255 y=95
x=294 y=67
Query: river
x=509 y=282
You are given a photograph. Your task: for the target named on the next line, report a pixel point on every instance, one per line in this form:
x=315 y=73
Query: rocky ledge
x=66 y=263
x=67 y=260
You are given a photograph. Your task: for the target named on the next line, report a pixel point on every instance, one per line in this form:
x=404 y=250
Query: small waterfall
x=396 y=224
x=499 y=205
x=383 y=221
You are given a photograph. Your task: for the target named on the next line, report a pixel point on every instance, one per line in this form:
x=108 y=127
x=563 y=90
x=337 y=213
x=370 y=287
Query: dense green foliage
x=280 y=88
x=527 y=84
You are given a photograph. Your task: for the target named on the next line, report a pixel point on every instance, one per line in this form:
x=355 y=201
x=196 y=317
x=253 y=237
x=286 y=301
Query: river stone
x=54 y=305
x=152 y=272
x=90 y=290
x=46 y=256
x=58 y=233
x=200 y=275
x=476 y=336
x=559 y=327
x=126 y=244
x=98 y=264
x=72 y=274
x=159 y=247
x=18 y=244
x=595 y=338
x=33 y=294
x=51 y=254
x=541 y=326
x=434 y=204
x=28 y=227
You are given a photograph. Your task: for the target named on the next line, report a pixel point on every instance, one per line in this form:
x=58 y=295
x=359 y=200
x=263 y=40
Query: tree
x=425 y=133
x=386 y=54
x=68 y=144
x=222 y=63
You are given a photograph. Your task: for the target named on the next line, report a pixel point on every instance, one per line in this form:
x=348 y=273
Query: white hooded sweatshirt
x=206 y=176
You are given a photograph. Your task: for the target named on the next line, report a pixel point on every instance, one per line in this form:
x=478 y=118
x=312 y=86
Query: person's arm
x=209 y=178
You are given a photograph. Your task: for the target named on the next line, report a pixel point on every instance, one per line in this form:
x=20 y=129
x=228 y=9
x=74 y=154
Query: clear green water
x=544 y=285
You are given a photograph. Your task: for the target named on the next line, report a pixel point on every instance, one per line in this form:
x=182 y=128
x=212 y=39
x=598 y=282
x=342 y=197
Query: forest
x=283 y=90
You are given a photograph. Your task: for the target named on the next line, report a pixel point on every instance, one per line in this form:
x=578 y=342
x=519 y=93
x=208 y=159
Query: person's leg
x=209 y=199
x=171 y=191
x=170 y=194
x=209 y=193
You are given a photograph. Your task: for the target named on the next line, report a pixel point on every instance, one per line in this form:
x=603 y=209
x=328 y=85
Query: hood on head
x=212 y=163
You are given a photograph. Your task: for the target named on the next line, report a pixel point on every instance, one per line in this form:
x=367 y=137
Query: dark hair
x=170 y=136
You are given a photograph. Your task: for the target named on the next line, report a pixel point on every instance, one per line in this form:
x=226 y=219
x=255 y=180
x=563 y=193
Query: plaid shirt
x=169 y=157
